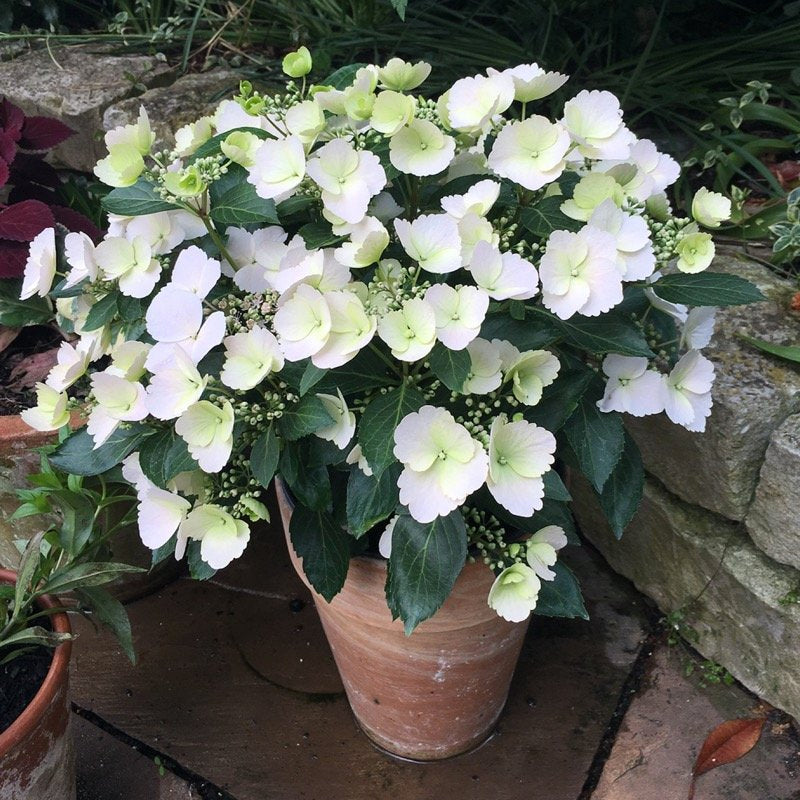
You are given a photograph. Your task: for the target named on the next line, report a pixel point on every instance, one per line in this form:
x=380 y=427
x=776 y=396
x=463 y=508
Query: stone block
x=753 y=394
x=773 y=520
x=170 y=107
x=76 y=85
x=687 y=558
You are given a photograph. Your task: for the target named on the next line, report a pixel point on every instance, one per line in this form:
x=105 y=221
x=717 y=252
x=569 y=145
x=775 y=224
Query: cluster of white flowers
x=406 y=267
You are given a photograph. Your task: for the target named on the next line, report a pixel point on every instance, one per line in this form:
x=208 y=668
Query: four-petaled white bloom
x=40 y=266
x=531 y=82
x=579 y=273
x=118 y=400
x=687 y=398
x=530 y=372
x=176 y=384
x=530 y=152
x=695 y=252
x=591 y=191
x=478 y=199
x=459 y=313
x=207 y=429
x=79 y=253
x=50 y=412
x=391 y=111
x=432 y=240
x=503 y=276
x=278 y=167
x=442 y=463
x=249 y=357
x=515 y=592
x=401 y=76
x=343 y=427
x=635 y=257
x=410 y=331
x=485 y=373
x=368 y=239
x=541 y=550
x=257 y=256
x=631 y=387
x=195 y=272
x=130 y=264
x=303 y=323
x=71 y=364
x=594 y=120
x=470 y=103
x=351 y=329
x=710 y=208
x=519 y=455
x=222 y=537
x=420 y=148
x=655 y=171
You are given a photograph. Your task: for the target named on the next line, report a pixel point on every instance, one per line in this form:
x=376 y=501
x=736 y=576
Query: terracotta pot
x=37 y=761
x=431 y=695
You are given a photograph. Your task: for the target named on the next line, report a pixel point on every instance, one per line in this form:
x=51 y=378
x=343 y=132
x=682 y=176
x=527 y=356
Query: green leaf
x=35 y=635
x=136 y=200
x=366 y=371
x=77 y=513
x=293 y=206
x=102 y=312
x=553 y=512
x=309 y=481
x=554 y=487
x=561 y=597
x=240 y=205
x=198 y=568
x=789 y=352
x=324 y=547
x=77 y=455
x=605 y=334
x=531 y=334
x=317 y=235
x=546 y=216
x=379 y=420
x=164 y=455
x=343 y=76
x=112 y=614
x=451 y=367
x=560 y=399
x=211 y=146
x=400 y=7
x=17 y=313
x=311 y=377
x=165 y=551
x=86 y=574
x=597 y=439
x=623 y=490
x=371 y=499
x=307 y=416
x=706 y=289
x=264 y=456
x=28 y=564
x=425 y=562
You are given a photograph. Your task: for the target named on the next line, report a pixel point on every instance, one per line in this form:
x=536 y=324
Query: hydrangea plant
x=406 y=307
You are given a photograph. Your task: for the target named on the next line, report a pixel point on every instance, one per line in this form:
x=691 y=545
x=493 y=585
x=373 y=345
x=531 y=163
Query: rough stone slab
x=667 y=723
x=687 y=558
x=170 y=107
x=773 y=520
x=76 y=84
x=108 y=769
x=753 y=394
x=203 y=695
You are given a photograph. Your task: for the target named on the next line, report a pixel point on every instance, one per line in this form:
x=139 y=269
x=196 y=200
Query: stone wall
x=718 y=532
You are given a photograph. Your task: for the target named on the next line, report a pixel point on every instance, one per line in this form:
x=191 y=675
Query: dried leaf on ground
x=7 y=336
x=32 y=369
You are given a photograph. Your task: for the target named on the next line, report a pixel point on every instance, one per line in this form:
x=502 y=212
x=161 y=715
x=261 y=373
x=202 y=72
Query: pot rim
x=56 y=677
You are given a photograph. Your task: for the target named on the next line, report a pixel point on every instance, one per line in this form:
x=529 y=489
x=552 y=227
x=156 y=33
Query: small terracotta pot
x=431 y=695
x=37 y=761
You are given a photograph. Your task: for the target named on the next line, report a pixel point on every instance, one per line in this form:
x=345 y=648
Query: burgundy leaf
x=30 y=191
x=8 y=147
x=3 y=173
x=22 y=221
x=32 y=369
x=11 y=118
x=75 y=221
x=42 y=133
x=13 y=256
x=34 y=169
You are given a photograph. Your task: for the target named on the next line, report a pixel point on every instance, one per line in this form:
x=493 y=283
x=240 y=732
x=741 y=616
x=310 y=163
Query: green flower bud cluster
x=426 y=109
x=234 y=482
x=665 y=236
x=244 y=312
x=486 y=535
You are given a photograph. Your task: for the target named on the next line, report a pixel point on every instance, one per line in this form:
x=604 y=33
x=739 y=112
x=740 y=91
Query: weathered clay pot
x=37 y=760
x=431 y=695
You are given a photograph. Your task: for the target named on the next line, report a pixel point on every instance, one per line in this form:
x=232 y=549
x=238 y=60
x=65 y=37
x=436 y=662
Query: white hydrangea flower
x=478 y=199
x=195 y=272
x=207 y=429
x=655 y=171
x=459 y=313
x=222 y=537
x=695 y=251
x=351 y=330
x=160 y=231
x=296 y=265
x=176 y=384
x=40 y=266
x=442 y=463
x=410 y=331
x=503 y=276
x=710 y=208
x=515 y=592
x=635 y=257
x=305 y=120
x=160 y=514
x=229 y=115
x=698 y=328
x=334 y=276
x=385 y=542
x=368 y=239
x=241 y=147
x=279 y=166
x=531 y=82
x=249 y=357
x=470 y=103
x=531 y=152
x=71 y=364
x=356 y=456
x=303 y=323
x=349 y=178
x=257 y=256
x=139 y=135
x=50 y=412
x=128 y=359
x=79 y=253
x=485 y=374
x=631 y=387
x=121 y=167
x=542 y=548
x=530 y=372
x=519 y=455
x=594 y=121
x=590 y=192
x=401 y=76
x=432 y=240
x=391 y=112
x=117 y=401
x=474 y=229
x=687 y=399
x=579 y=273
x=343 y=427
x=420 y=148
x=190 y=136
x=130 y=264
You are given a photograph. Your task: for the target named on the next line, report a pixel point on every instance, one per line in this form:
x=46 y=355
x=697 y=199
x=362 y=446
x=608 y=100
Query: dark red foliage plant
x=30 y=200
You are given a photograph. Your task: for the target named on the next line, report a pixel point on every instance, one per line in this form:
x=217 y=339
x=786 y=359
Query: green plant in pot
x=62 y=568
x=411 y=310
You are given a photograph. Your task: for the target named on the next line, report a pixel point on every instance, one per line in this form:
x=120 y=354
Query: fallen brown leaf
x=7 y=335
x=32 y=369
x=728 y=742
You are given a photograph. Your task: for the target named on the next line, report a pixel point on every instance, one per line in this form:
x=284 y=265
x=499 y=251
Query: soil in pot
x=20 y=680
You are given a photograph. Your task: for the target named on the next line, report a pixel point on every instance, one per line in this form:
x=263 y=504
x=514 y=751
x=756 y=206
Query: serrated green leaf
x=308 y=481
x=112 y=614
x=554 y=487
x=560 y=399
x=546 y=216
x=307 y=416
x=426 y=559
x=379 y=420
x=451 y=367
x=369 y=499
x=706 y=289
x=16 y=313
x=240 y=205
x=136 y=200
x=324 y=548
x=76 y=454
x=102 y=312
x=164 y=455
x=317 y=235
x=264 y=456
x=311 y=377
x=533 y=333
x=623 y=490
x=561 y=597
